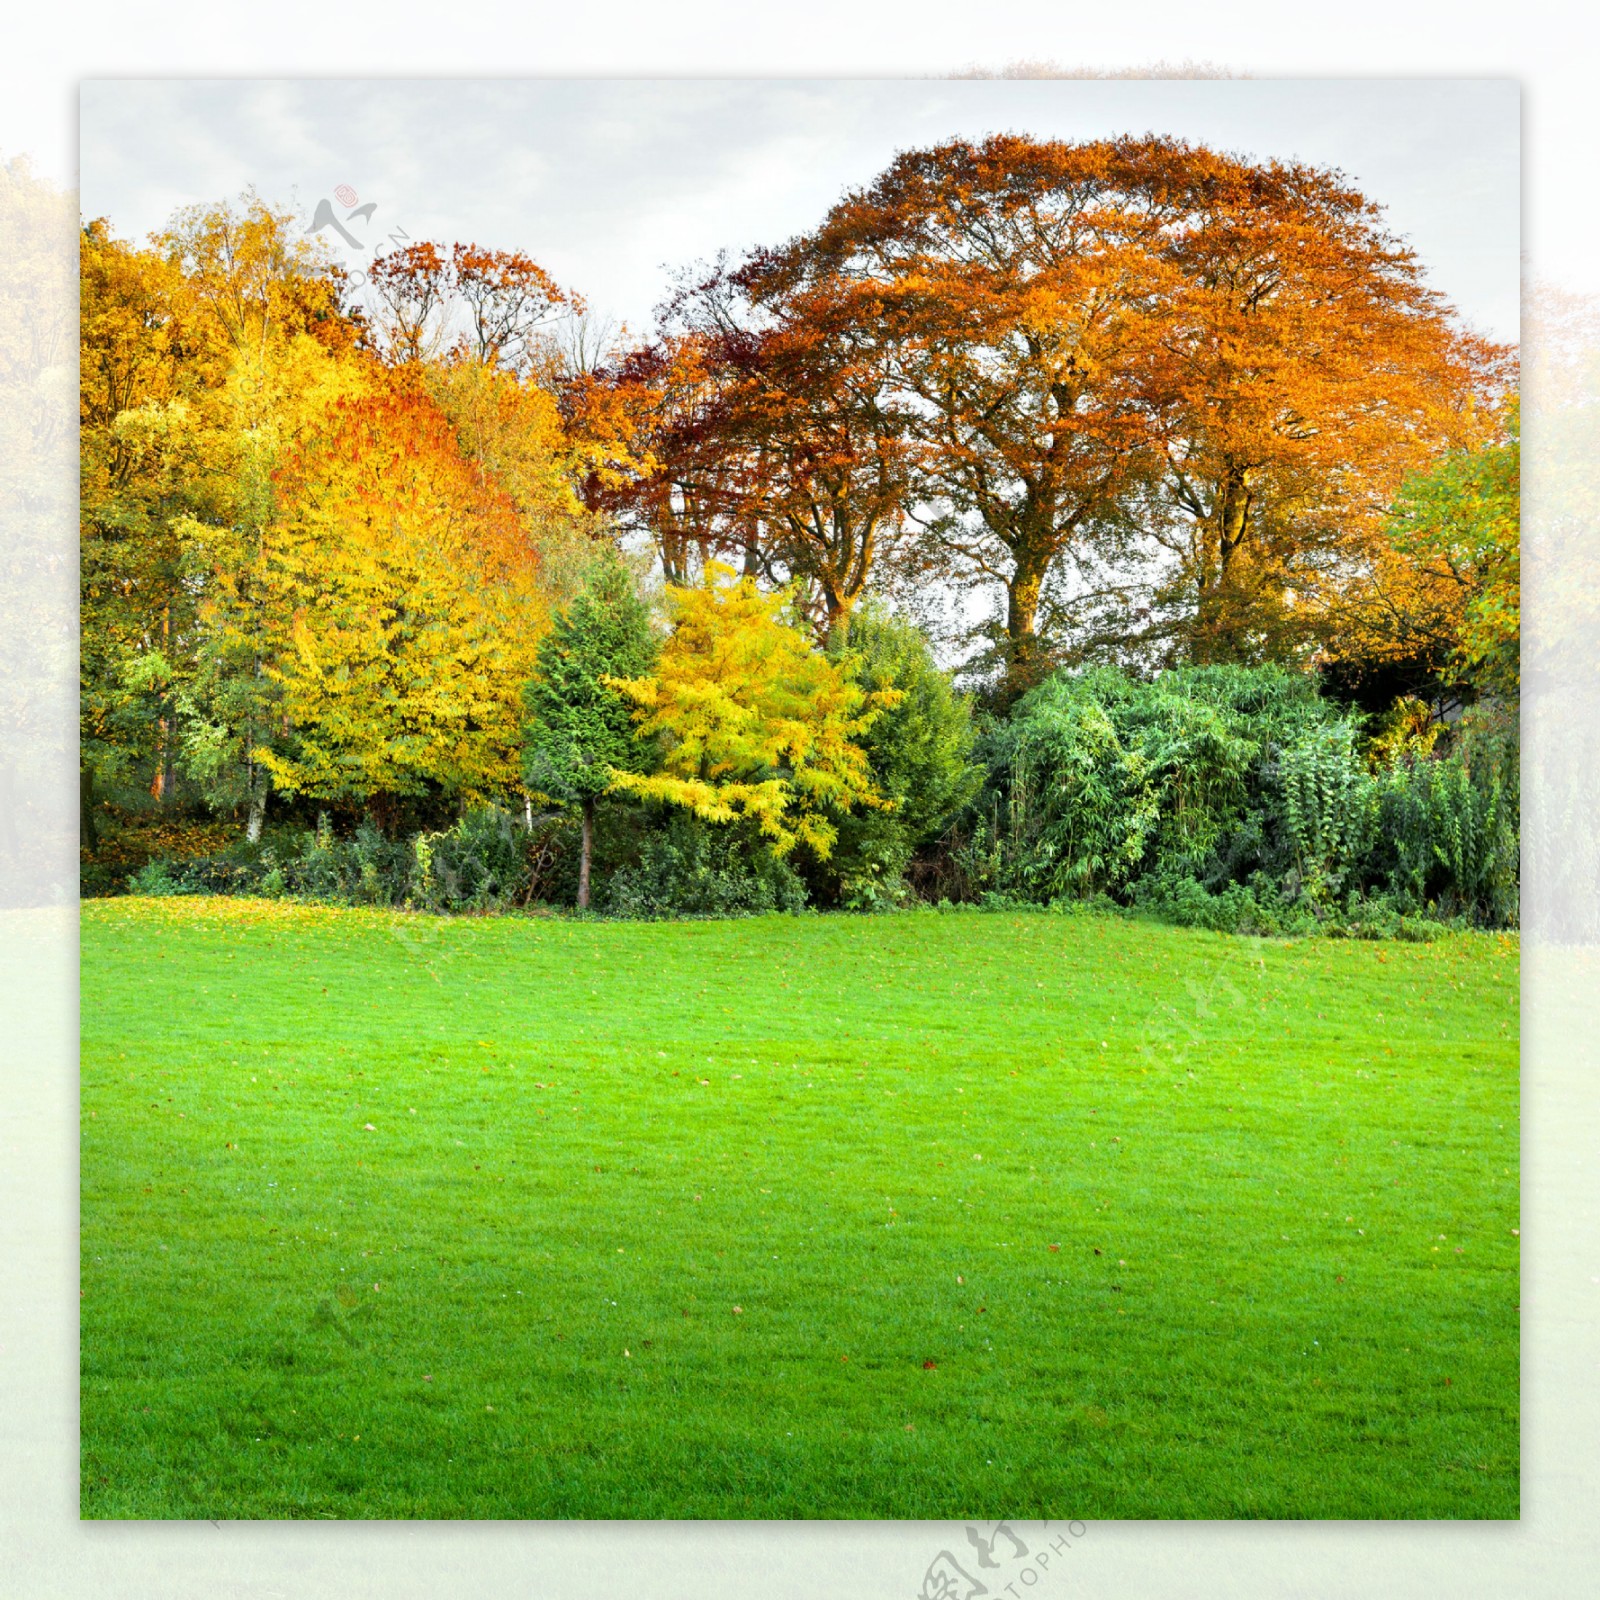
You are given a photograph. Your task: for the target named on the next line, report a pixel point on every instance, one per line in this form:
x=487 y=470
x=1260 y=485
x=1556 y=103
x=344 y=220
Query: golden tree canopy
x=755 y=722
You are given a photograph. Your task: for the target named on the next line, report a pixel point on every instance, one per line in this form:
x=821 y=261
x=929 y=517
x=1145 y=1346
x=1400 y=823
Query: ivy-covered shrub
x=365 y=869
x=1449 y=832
x=1098 y=778
x=485 y=862
x=1329 y=810
x=688 y=867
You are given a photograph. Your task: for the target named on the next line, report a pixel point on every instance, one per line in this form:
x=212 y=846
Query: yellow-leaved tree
x=754 y=721
x=401 y=606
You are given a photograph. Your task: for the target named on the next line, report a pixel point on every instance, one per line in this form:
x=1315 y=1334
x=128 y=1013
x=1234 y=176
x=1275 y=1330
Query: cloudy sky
x=612 y=184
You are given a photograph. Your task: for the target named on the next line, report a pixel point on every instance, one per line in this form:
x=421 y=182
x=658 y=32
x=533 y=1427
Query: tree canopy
x=1128 y=403
x=755 y=721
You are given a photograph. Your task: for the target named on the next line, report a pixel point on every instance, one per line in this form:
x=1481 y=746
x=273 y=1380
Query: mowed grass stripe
x=1280 y=1180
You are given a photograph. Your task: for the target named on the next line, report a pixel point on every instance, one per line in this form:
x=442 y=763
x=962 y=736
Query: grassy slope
x=1282 y=1178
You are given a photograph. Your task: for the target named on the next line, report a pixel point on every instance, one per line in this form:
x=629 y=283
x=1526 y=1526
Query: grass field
x=926 y=1216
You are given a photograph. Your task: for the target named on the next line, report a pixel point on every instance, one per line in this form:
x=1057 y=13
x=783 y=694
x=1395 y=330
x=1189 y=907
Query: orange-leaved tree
x=1197 y=377
x=427 y=299
x=754 y=722
x=797 y=448
x=1304 y=370
x=639 y=422
x=1014 y=290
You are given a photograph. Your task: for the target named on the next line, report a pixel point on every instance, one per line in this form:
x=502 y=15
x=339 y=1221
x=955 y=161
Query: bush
x=920 y=752
x=1329 y=810
x=1234 y=798
x=156 y=878
x=482 y=863
x=365 y=869
x=1450 y=838
x=130 y=840
x=1100 y=779
x=695 y=868
x=486 y=861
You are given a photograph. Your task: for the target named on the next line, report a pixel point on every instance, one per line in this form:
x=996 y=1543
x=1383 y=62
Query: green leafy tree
x=1464 y=521
x=1443 y=588
x=580 y=729
x=919 y=751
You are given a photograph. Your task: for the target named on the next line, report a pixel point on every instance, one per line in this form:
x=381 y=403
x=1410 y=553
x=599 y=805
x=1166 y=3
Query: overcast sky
x=611 y=184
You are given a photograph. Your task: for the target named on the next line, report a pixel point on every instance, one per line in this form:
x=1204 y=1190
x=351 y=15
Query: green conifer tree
x=580 y=730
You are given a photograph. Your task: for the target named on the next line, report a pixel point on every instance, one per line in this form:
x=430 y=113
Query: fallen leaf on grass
x=928 y=1366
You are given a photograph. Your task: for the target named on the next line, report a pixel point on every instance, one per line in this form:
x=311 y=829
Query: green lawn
x=928 y=1216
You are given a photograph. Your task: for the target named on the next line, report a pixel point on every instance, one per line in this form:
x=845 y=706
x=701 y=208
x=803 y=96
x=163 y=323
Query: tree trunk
x=587 y=853
x=1024 y=664
x=160 y=789
x=1217 y=622
x=257 y=816
x=88 y=833
x=836 y=622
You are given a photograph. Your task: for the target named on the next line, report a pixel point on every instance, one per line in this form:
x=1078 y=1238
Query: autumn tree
x=188 y=348
x=509 y=427
x=754 y=721
x=474 y=323
x=794 y=451
x=643 y=424
x=409 y=291
x=430 y=300
x=1137 y=351
x=510 y=300
x=227 y=703
x=256 y=277
x=402 y=609
x=1303 y=371
x=580 y=727
x=139 y=460
x=1444 y=585
x=1014 y=289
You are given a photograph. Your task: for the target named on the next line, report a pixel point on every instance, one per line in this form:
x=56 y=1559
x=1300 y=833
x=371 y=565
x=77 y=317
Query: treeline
x=438 y=593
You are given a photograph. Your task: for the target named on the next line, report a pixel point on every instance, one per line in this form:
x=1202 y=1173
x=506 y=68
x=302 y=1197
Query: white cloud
x=611 y=182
